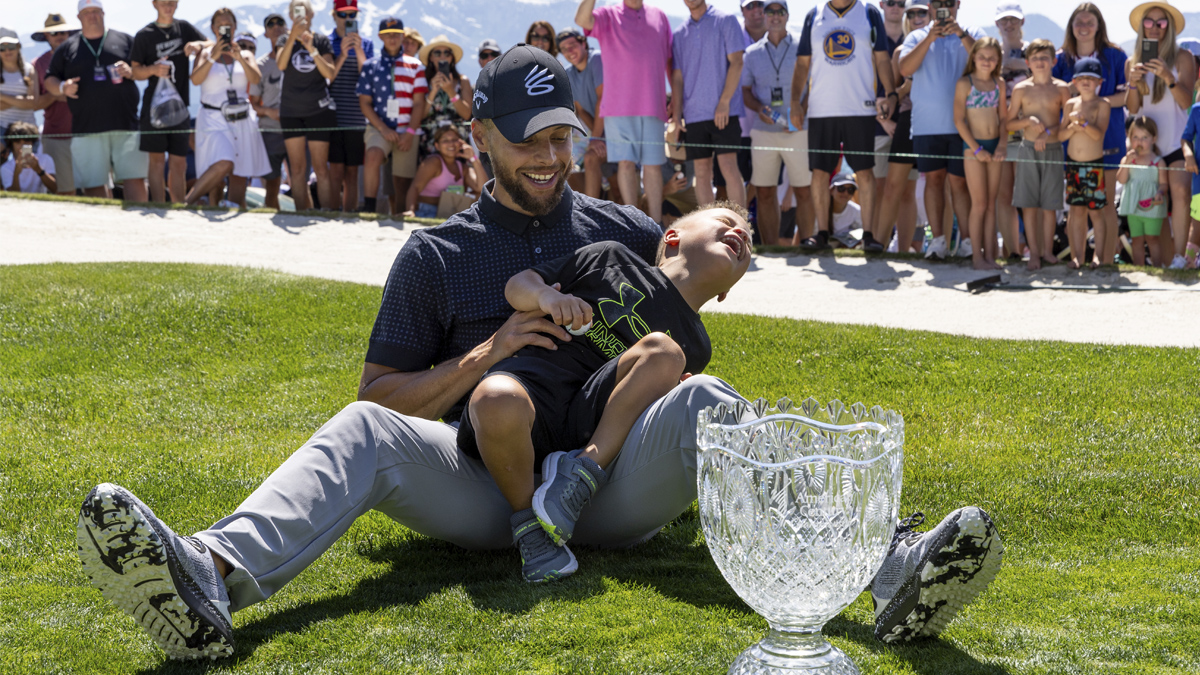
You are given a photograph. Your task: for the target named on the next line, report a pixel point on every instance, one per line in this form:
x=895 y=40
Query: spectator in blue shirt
x=585 y=71
x=708 y=50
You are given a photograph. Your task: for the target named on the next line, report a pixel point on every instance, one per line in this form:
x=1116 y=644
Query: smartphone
x=225 y=32
x=444 y=68
x=351 y=26
x=26 y=150
x=299 y=13
x=1149 y=50
x=943 y=15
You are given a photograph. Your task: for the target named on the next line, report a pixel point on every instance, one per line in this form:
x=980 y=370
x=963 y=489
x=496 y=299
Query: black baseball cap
x=524 y=91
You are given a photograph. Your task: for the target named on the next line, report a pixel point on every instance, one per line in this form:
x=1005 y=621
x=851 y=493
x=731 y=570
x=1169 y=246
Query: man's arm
x=584 y=14
x=677 y=98
x=430 y=394
x=733 y=79
x=911 y=62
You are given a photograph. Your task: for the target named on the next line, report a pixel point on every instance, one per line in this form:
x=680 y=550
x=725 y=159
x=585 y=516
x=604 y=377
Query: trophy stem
x=795 y=652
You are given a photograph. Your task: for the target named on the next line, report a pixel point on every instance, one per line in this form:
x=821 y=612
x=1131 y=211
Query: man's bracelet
x=412 y=131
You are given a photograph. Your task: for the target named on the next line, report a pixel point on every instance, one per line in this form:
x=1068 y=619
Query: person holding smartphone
x=25 y=170
x=306 y=109
x=1162 y=78
x=346 y=147
x=449 y=101
x=935 y=57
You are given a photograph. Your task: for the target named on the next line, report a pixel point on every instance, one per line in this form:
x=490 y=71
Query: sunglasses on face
x=539 y=38
x=892 y=3
x=846 y=189
x=441 y=52
x=916 y=14
x=9 y=48
x=247 y=46
x=488 y=55
x=775 y=12
x=347 y=15
x=944 y=4
x=275 y=23
x=1151 y=23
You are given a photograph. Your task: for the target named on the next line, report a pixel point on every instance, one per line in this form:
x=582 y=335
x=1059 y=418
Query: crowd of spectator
x=874 y=119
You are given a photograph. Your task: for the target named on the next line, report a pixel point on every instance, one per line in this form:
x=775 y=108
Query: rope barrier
x=681 y=145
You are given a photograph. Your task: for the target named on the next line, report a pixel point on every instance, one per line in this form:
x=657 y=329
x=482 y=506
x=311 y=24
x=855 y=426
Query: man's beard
x=508 y=179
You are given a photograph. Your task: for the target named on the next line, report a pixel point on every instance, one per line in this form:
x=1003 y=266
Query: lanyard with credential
x=99 y=74
x=787 y=44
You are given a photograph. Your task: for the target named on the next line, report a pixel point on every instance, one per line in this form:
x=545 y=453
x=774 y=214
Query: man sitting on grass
x=443 y=322
x=570 y=408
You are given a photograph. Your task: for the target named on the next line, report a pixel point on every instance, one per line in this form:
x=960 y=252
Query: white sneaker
x=964 y=249
x=937 y=248
x=1178 y=263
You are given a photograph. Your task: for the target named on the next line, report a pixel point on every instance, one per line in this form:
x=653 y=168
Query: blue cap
x=391 y=25
x=1089 y=67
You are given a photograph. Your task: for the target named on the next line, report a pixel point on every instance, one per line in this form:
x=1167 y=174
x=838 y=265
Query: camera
x=943 y=15
x=351 y=26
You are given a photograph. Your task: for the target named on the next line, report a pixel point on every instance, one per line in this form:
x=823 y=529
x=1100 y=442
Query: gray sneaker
x=541 y=560
x=166 y=582
x=568 y=483
x=928 y=577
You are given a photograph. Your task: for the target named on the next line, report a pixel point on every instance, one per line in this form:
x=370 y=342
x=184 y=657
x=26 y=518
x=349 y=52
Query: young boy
x=1191 y=137
x=637 y=334
x=1085 y=120
x=1036 y=109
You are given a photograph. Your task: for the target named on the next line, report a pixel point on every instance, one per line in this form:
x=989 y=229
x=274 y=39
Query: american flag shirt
x=386 y=77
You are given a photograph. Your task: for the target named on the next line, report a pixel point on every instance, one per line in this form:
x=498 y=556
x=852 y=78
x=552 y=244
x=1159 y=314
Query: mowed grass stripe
x=190 y=384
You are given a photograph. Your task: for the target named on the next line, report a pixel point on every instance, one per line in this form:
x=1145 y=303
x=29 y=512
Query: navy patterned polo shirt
x=445 y=293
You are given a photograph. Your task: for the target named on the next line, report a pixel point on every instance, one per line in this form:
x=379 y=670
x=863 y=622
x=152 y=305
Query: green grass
x=190 y=384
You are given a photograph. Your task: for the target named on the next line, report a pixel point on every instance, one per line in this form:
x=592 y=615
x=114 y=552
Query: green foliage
x=190 y=384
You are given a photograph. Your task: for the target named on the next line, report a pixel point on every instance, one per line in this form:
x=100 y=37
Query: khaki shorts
x=59 y=150
x=766 y=162
x=883 y=151
x=404 y=164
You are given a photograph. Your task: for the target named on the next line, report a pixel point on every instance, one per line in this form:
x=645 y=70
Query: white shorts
x=240 y=142
x=883 y=148
x=766 y=162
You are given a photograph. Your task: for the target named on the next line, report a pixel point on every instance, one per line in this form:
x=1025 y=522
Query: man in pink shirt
x=56 y=134
x=636 y=43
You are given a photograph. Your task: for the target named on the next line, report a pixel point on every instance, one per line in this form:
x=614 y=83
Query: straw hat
x=439 y=41
x=414 y=34
x=1139 y=13
x=55 y=23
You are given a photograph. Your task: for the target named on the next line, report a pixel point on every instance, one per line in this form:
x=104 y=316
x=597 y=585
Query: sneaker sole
x=549 y=467
x=124 y=555
x=567 y=571
x=956 y=571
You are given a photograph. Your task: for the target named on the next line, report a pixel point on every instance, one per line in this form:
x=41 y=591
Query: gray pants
x=369 y=457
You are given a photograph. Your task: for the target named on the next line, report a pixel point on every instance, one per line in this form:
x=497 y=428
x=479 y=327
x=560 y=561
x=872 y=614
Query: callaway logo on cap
x=524 y=91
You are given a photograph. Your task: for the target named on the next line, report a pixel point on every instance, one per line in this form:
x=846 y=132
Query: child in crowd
x=1191 y=138
x=1036 y=111
x=1010 y=22
x=980 y=114
x=1143 y=202
x=570 y=405
x=845 y=214
x=1085 y=119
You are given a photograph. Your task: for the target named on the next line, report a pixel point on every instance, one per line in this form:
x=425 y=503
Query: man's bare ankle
x=223 y=568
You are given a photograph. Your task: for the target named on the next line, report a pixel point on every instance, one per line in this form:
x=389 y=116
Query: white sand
x=893 y=293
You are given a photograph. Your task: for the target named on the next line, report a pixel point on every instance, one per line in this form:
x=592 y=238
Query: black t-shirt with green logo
x=630 y=298
x=570 y=386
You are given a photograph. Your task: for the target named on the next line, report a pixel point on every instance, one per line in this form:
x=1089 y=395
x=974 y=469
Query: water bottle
x=779 y=117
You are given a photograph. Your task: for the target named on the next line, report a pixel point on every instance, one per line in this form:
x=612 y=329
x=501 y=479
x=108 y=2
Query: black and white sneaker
x=870 y=244
x=167 y=583
x=928 y=577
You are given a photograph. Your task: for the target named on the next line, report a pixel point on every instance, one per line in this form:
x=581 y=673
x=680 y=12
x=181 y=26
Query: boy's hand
x=1036 y=127
x=1001 y=153
x=983 y=155
x=1040 y=143
x=564 y=309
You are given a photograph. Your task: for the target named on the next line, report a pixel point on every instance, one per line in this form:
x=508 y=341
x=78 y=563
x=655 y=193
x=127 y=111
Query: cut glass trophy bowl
x=798 y=505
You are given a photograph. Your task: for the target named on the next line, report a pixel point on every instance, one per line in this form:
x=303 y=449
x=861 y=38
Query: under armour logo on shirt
x=537 y=81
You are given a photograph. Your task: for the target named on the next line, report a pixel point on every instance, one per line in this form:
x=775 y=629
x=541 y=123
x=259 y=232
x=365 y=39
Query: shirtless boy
x=1085 y=119
x=1036 y=111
